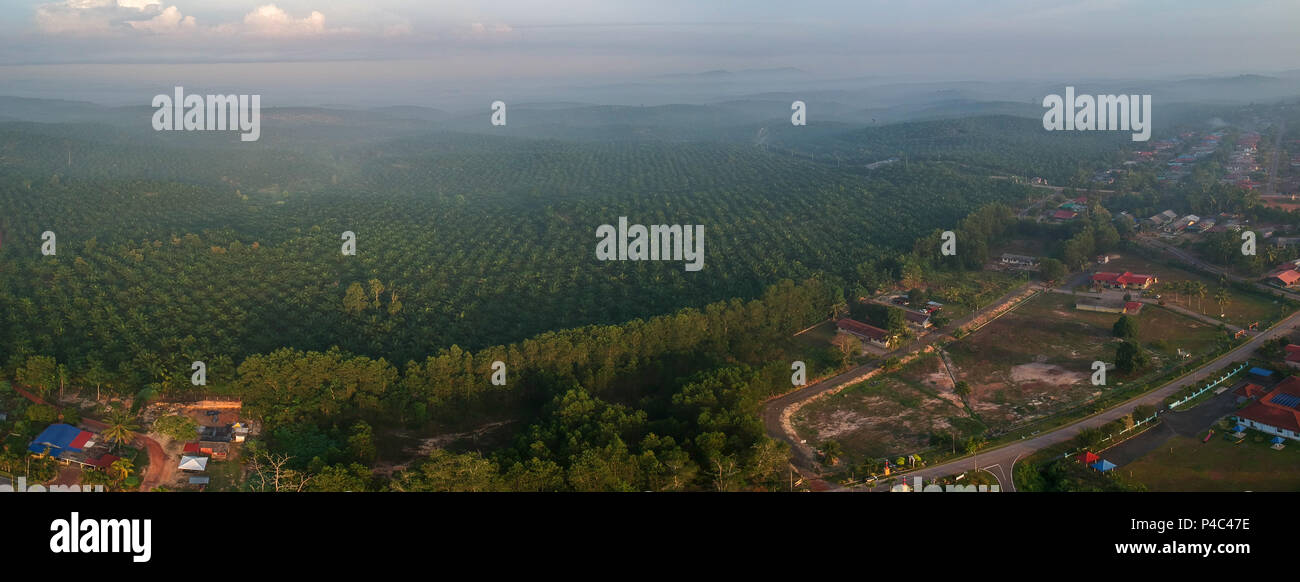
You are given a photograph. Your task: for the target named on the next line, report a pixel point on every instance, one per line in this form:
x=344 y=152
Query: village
x=182 y=446
x=953 y=382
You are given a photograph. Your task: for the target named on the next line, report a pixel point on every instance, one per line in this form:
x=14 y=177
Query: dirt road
x=776 y=411
x=159 y=469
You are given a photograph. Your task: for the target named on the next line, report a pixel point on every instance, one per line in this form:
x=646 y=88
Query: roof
x=59 y=438
x=1088 y=458
x=857 y=327
x=1125 y=278
x=1289 y=276
x=190 y=448
x=1132 y=307
x=1103 y=465
x=192 y=463
x=916 y=316
x=104 y=461
x=1249 y=390
x=1064 y=214
x=1279 y=409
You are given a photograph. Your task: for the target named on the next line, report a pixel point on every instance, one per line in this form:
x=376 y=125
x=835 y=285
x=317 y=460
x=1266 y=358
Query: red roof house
x=1249 y=390
x=103 y=462
x=1126 y=279
x=1277 y=413
x=80 y=440
x=1284 y=278
x=868 y=332
x=1064 y=215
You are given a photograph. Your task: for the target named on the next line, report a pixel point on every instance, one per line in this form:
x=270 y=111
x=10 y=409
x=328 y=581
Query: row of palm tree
x=1199 y=290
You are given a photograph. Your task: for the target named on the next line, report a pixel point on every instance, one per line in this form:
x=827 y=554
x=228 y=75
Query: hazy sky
x=382 y=43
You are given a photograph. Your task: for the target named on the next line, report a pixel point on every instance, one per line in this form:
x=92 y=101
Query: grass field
x=1038 y=359
x=890 y=415
x=1242 y=309
x=1185 y=464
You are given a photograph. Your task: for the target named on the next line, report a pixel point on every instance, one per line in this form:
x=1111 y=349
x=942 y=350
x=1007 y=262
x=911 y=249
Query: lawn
x=1037 y=359
x=224 y=475
x=1185 y=464
x=1241 y=310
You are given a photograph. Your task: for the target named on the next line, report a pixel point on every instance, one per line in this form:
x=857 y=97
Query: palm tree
x=121 y=427
x=1223 y=299
x=121 y=469
x=1201 y=289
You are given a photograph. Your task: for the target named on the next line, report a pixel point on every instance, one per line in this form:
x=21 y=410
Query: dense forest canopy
x=473 y=249
x=474 y=245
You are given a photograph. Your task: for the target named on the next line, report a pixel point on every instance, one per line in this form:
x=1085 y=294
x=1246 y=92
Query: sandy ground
x=1046 y=373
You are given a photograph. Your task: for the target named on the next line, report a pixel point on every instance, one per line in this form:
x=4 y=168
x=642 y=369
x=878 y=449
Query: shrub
x=181 y=428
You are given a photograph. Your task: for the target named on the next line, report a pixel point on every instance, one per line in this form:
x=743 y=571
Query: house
x=1097 y=305
x=217 y=450
x=1283 y=277
x=72 y=445
x=1293 y=355
x=1277 y=413
x=1064 y=215
x=193 y=463
x=221 y=434
x=1019 y=261
x=1103 y=306
x=1183 y=223
x=1162 y=218
x=917 y=319
x=1248 y=391
x=1125 y=280
x=870 y=333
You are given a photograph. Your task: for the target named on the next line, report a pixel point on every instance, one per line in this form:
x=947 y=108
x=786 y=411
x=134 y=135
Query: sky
x=407 y=46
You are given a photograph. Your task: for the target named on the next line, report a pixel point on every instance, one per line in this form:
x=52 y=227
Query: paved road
x=1001 y=461
x=1195 y=261
x=802 y=455
x=1188 y=423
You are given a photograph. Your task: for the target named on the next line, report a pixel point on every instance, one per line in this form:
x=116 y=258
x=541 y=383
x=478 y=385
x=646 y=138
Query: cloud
x=170 y=20
x=123 y=17
x=271 y=20
x=90 y=17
